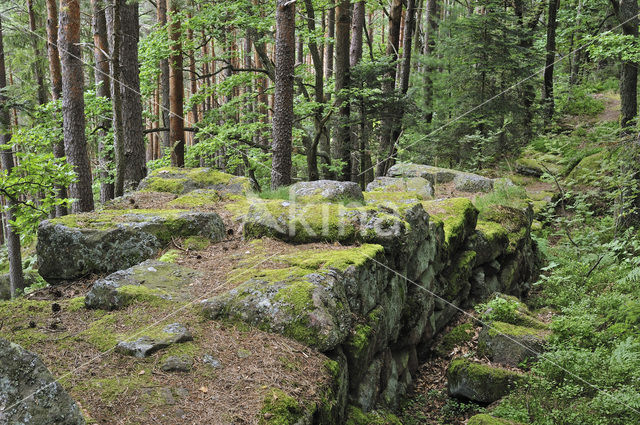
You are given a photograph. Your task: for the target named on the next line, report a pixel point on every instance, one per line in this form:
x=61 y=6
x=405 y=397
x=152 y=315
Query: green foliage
x=499 y=308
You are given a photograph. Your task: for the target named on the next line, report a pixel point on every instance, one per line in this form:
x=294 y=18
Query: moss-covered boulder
x=478 y=382
x=484 y=419
x=182 y=180
x=432 y=174
x=107 y=241
x=415 y=187
x=146 y=281
x=458 y=217
x=355 y=416
x=489 y=241
x=306 y=301
x=511 y=345
x=326 y=191
x=588 y=170
x=469 y=182
x=516 y=221
x=29 y=394
x=279 y=408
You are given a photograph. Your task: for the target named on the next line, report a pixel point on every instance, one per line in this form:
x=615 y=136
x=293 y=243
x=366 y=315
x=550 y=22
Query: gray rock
x=326 y=190
x=29 y=393
x=104 y=242
x=478 y=382
x=511 y=345
x=182 y=180
x=468 y=182
x=30 y=278
x=177 y=364
x=209 y=360
x=419 y=186
x=165 y=280
x=432 y=174
x=146 y=345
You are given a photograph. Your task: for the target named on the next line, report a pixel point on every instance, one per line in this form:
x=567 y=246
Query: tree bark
x=283 y=98
x=75 y=143
x=627 y=13
x=16 y=278
x=37 y=65
x=176 y=90
x=388 y=87
x=115 y=36
x=342 y=151
x=100 y=51
x=133 y=139
x=547 y=94
x=358 y=141
x=164 y=80
x=56 y=85
x=429 y=48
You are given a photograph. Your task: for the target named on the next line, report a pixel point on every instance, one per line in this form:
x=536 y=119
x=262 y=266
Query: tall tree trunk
x=133 y=140
x=388 y=87
x=56 y=86
x=358 y=141
x=75 y=143
x=101 y=47
x=37 y=65
x=16 y=278
x=342 y=151
x=547 y=94
x=325 y=141
x=115 y=36
x=627 y=13
x=164 y=81
x=176 y=90
x=283 y=100
x=429 y=47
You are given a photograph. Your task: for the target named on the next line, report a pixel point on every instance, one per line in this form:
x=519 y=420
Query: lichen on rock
x=480 y=383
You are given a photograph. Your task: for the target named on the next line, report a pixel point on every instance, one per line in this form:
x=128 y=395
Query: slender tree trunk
x=100 y=51
x=164 y=81
x=115 y=36
x=133 y=139
x=283 y=100
x=176 y=90
x=358 y=142
x=393 y=44
x=37 y=65
x=16 y=278
x=325 y=141
x=75 y=143
x=56 y=86
x=342 y=151
x=547 y=94
x=429 y=48
x=627 y=13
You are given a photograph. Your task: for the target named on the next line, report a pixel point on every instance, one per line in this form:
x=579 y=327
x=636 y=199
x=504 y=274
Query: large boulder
x=511 y=345
x=428 y=172
x=182 y=180
x=417 y=186
x=29 y=394
x=149 y=279
x=478 y=382
x=326 y=191
x=468 y=182
x=107 y=241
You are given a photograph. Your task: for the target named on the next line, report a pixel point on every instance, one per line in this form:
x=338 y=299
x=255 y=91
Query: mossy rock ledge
x=478 y=382
x=326 y=190
x=511 y=345
x=104 y=242
x=147 y=280
x=29 y=392
x=182 y=180
x=419 y=187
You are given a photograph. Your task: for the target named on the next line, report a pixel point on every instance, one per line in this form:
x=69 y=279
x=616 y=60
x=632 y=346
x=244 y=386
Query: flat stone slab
x=464 y=182
x=326 y=191
x=418 y=186
x=104 y=242
x=147 y=345
x=29 y=394
x=156 y=278
x=468 y=182
x=478 y=382
x=182 y=180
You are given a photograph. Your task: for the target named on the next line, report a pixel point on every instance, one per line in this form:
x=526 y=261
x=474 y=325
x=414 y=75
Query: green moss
x=458 y=274
x=498 y=328
x=108 y=219
x=514 y=220
x=480 y=372
x=196 y=243
x=170 y=256
x=493 y=232
x=360 y=338
x=355 y=416
x=99 y=333
x=188 y=349
x=279 y=408
x=110 y=389
x=75 y=304
x=459 y=217
x=484 y=419
x=136 y=294
x=338 y=259
x=395 y=198
x=333 y=367
x=197 y=199
x=455 y=337
x=158 y=184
